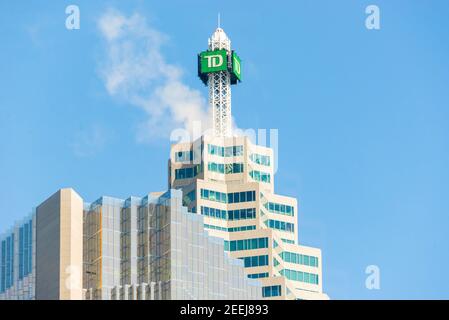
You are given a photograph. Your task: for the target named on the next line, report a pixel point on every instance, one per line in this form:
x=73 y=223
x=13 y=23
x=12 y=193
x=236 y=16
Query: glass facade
x=138 y=248
x=17 y=261
x=106 y=246
x=25 y=249
x=163 y=253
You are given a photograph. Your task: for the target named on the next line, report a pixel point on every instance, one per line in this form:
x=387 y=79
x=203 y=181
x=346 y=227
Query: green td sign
x=236 y=66
x=219 y=60
x=213 y=61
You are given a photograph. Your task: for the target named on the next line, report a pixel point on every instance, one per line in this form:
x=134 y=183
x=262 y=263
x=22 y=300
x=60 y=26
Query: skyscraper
x=230 y=181
x=219 y=232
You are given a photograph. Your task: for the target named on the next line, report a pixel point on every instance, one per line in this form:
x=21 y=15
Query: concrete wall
x=59 y=247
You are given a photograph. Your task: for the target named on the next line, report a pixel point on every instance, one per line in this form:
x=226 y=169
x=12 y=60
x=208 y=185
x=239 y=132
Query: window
x=258 y=275
x=7 y=267
x=260 y=159
x=242 y=228
x=234 y=229
x=228 y=168
x=184 y=156
x=232 y=197
x=260 y=176
x=189 y=198
x=299 y=259
x=280 y=208
x=239 y=214
x=300 y=276
x=255 y=261
x=271 y=291
x=280 y=225
x=246 y=244
x=231 y=151
x=187 y=173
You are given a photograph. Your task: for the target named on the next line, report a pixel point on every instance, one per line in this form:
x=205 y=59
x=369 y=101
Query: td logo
x=214 y=61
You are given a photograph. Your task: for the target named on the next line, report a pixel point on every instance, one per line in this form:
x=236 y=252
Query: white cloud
x=136 y=71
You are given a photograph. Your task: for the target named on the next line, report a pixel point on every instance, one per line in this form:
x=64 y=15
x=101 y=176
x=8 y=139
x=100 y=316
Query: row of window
x=233 y=229
x=246 y=244
x=232 y=197
x=300 y=276
x=280 y=225
x=7 y=263
x=25 y=249
x=260 y=159
x=231 y=151
x=258 y=275
x=288 y=241
x=255 y=261
x=242 y=228
x=184 y=156
x=187 y=173
x=239 y=214
x=299 y=259
x=280 y=208
x=260 y=176
x=23 y=253
x=271 y=291
x=227 y=168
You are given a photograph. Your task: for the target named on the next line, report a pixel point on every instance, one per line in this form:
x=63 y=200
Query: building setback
x=230 y=182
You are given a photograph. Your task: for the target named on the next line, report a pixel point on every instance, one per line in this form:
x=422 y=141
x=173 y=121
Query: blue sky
x=363 y=119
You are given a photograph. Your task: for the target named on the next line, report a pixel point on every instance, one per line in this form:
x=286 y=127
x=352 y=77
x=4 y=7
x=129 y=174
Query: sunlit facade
x=152 y=248
x=230 y=182
x=148 y=248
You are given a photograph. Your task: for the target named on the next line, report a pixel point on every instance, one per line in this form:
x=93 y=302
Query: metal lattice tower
x=220 y=88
